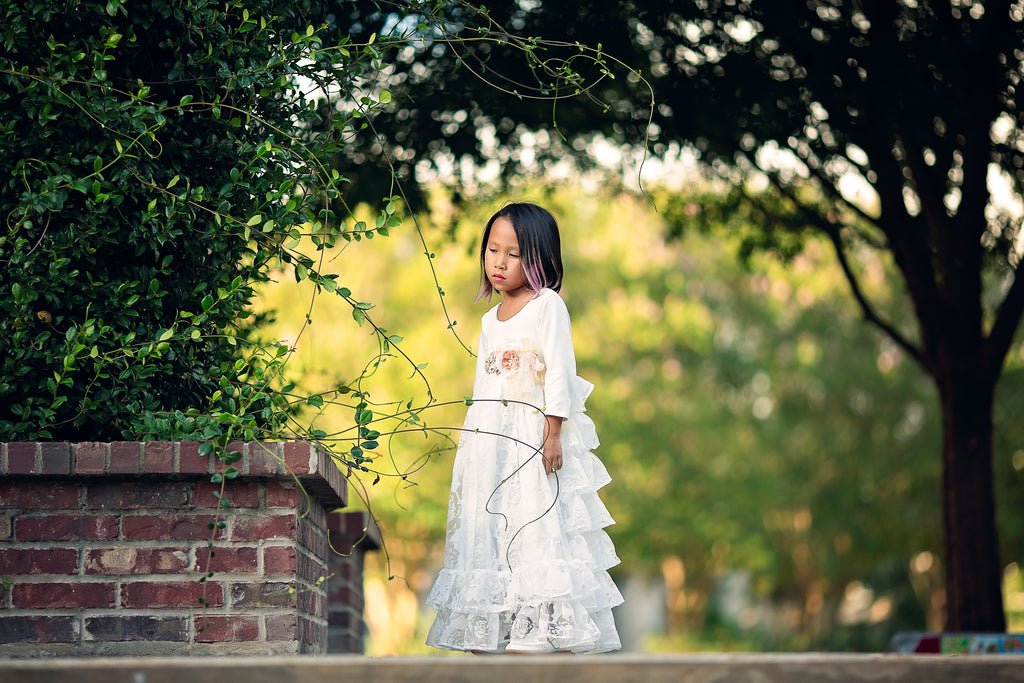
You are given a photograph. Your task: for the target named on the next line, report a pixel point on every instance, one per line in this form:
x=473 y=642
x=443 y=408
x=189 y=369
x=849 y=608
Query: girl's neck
x=513 y=302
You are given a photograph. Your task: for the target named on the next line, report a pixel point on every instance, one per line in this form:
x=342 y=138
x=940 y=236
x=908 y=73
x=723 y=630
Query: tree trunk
x=973 y=572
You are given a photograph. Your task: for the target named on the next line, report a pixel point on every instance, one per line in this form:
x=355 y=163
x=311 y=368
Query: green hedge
x=151 y=156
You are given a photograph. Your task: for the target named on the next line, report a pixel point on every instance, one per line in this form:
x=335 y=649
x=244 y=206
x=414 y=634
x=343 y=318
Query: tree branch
x=999 y=339
x=823 y=225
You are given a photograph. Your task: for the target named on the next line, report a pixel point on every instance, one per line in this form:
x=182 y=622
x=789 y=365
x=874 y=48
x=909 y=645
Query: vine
x=202 y=175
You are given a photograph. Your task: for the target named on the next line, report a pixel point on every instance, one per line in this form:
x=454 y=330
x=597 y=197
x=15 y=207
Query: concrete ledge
x=698 y=668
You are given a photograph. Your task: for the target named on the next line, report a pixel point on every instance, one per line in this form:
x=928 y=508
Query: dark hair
x=540 y=249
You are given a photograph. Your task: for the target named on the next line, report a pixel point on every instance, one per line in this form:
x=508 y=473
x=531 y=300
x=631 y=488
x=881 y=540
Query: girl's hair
x=540 y=249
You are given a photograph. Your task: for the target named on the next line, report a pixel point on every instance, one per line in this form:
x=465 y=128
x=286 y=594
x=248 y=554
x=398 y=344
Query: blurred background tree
x=775 y=483
x=888 y=129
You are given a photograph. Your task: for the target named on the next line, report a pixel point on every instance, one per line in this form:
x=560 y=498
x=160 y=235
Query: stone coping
x=691 y=668
x=304 y=461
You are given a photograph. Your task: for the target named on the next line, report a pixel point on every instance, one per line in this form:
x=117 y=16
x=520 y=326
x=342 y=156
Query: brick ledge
x=309 y=464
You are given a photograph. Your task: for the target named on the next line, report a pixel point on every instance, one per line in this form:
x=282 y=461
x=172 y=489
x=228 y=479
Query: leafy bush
x=158 y=159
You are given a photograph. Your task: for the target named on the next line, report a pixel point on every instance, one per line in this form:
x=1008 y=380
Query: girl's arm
x=555 y=333
x=553 y=444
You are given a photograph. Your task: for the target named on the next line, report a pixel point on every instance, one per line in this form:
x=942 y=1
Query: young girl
x=526 y=555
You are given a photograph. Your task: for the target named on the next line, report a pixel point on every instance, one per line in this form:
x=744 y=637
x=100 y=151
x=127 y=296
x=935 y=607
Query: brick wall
x=105 y=550
x=351 y=535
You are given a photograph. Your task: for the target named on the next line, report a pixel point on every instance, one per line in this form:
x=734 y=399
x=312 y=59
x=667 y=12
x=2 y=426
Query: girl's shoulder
x=491 y=313
x=549 y=299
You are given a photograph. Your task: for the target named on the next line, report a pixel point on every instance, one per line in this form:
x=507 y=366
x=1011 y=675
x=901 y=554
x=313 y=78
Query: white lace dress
x=526 y=554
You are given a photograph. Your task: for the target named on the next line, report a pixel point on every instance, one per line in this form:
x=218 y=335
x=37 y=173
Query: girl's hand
x=553 y=445
x=552 y=456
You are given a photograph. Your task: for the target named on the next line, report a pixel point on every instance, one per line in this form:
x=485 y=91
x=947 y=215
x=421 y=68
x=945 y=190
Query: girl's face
x=502 y=261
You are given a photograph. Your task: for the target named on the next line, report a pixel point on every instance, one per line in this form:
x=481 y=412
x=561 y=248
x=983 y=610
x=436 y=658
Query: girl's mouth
x=498 y=276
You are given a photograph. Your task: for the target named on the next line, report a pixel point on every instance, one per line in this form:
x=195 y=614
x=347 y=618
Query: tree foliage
x=159 y=159
x=756 y=431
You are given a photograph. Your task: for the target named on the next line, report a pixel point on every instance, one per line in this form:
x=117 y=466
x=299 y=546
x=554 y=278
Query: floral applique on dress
x=521 y=367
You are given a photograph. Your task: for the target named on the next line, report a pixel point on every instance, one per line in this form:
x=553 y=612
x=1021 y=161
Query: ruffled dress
x=526 y=556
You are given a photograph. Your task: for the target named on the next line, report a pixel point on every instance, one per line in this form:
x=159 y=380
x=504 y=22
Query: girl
x=526 y=556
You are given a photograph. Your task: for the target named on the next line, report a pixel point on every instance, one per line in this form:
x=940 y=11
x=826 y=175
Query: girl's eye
x=514 y=255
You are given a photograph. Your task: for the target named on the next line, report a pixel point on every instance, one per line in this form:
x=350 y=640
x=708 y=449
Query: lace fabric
x=526 y=554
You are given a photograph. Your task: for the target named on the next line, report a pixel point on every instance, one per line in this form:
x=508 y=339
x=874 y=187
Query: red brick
x=241 y=494
x=136 y=496
x=311 y=569
x=91 y=457
x=226 y=559
x=136 y=628
x=282 y=494
x=280 y=560
x=126 y=560
x=14 y=561
x=345 y=595
x=233 y=629
x=39 y=495
x=263 y=527
x=314 y=636
x=344 y=569
x=65 y=527
x=158 y=457
x=312 y=538
x=147 y=595
x=350 y=524
x=219 y=465
x=297 y=456
x=21 y=457
x=56 y=457
x=311 y=602
x=124 y=457
x=281 y=627
x=263 y=458
x=168 y=527
x=49 y=629
x=342 y=617
x=62 y=595
x=263 y=594
x=189 y=460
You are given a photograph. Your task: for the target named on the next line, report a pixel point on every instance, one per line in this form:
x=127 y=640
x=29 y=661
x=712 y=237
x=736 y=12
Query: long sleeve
x=555 y=336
